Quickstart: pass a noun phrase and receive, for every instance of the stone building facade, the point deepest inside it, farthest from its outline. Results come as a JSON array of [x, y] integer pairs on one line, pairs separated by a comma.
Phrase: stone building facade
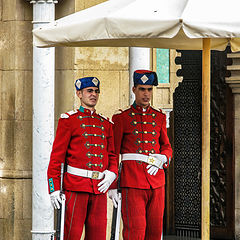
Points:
[[110, 65]]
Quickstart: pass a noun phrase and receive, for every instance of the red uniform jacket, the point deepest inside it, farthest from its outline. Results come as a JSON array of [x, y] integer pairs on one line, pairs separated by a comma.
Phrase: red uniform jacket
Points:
[[83, 141], [141, 132]]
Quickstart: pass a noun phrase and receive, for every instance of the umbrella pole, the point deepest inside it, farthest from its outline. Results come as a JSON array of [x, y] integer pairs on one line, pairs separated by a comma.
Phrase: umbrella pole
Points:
[[206, 63]]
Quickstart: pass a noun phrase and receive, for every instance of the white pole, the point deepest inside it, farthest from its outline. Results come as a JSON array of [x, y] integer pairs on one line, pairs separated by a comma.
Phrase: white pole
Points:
[[139, 58], [43, 124]]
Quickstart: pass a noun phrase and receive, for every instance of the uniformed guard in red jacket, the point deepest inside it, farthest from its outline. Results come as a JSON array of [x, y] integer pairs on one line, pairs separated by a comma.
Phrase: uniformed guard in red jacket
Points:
[[140, 137], [84, 142]]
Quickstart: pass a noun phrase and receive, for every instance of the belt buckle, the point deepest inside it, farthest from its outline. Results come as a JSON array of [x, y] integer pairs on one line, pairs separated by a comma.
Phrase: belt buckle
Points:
[[95, 175], [151, 160]]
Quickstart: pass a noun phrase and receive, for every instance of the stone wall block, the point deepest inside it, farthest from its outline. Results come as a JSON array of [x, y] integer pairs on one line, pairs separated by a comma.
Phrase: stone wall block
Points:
[[7, 229], [64, 8], [77, 74], [2, 163], [23, 95], [124, 90], [27, 199], [24, 56], [7, 145], [16, 10], [65, 58], [64, 92], [1, 103], [1, 7], [102, 58], [23, 145], [1, 226], [18, 198], [88, 4], [16, 41], [16, 44], [28, 9], [2, 41], [7, 198], [13, 225], [9, 10], [28, 95], [109, 87], [80, 5], [2, 192], [237, 224], [8, 45], [8, 95], [22, 229]]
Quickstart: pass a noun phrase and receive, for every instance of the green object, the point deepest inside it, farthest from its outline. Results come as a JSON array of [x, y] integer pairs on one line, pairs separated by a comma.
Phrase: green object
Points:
[[162, 59]]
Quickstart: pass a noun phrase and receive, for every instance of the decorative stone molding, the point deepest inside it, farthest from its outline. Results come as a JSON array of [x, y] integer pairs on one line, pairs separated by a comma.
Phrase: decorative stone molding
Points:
[[167, 111], [42, 1], [15, 174], [234, 80], [174, 69]]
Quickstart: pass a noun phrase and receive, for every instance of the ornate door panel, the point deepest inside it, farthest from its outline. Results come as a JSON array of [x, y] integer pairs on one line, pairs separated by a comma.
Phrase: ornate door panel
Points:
[[187, 148], [222, 205]]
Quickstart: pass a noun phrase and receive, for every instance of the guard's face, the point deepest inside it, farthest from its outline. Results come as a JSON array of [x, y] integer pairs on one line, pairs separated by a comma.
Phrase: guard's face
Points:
[[143, 94], [88, 96]]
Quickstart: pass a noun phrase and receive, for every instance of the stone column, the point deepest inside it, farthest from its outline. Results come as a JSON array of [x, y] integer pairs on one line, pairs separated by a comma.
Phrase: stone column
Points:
[[234, 83], [139, 58], [43, 124]]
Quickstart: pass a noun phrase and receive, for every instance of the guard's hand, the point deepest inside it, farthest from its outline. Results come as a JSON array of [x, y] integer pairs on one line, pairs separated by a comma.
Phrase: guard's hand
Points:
[[113, 194], [107, 181], [152, 170], [56, 199], [161, 158]]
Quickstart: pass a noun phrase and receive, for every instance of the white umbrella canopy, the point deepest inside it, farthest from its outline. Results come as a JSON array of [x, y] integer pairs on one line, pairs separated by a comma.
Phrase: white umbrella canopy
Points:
[[176, 24]]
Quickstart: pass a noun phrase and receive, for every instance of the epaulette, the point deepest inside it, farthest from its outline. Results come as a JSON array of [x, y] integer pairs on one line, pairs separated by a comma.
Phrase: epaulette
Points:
[[67, 114], [106, 118], [121, 110], [159, 110], [64, 115]]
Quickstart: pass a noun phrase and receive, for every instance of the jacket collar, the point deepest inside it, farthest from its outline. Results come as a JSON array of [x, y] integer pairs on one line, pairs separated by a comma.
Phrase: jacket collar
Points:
[[140, 109], [85, 110]]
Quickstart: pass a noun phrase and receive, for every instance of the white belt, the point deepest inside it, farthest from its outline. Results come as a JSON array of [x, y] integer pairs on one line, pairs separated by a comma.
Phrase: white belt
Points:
[[85, 173], [143, 158]]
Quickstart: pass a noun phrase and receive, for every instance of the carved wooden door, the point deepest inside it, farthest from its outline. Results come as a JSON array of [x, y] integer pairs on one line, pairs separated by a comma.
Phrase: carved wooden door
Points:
[[187, 149]]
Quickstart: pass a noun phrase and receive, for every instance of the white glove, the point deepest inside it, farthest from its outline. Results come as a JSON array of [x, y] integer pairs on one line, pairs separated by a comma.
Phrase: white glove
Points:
[[113, 194], [107, 181], [152, 170], [161, 158], [56, 199]]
